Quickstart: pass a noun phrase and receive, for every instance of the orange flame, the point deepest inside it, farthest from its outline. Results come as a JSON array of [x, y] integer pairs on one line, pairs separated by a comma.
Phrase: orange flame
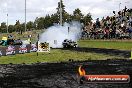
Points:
[[81, 71]]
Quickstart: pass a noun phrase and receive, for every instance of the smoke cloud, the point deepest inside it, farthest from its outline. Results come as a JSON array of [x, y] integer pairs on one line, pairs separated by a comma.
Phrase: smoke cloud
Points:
[[56, 34]]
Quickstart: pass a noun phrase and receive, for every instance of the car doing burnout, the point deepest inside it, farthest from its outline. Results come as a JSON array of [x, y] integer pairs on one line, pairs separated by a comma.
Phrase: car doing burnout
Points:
[[69, 44]]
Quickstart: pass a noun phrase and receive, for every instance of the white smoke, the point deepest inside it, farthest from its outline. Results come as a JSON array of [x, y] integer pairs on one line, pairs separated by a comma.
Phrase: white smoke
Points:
[[55, 35]]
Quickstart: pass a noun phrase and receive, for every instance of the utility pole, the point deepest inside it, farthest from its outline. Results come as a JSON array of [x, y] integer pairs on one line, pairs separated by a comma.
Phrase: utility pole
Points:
[[60, 13], [7, 22], [119, 6], [25, 17]]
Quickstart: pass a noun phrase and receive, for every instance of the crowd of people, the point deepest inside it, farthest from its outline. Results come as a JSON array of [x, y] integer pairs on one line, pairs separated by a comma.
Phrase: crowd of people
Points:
[[118, 26]]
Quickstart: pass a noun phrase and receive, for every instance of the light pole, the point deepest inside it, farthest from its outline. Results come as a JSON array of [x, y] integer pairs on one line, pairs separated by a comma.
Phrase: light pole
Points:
[[119, 6], [25, 17], [60, 13], [7, 22]]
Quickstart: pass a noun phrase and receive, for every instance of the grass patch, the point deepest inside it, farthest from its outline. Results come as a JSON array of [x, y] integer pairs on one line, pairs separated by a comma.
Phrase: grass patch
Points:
[[59, 55], [120, 45], [56, 55]]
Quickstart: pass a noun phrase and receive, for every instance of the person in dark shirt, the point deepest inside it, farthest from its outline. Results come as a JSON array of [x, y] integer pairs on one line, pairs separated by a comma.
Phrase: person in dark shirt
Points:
[[98, 23]]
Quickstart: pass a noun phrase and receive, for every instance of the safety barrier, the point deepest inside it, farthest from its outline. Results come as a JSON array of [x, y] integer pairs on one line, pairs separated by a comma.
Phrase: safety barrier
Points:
[[17, 49]]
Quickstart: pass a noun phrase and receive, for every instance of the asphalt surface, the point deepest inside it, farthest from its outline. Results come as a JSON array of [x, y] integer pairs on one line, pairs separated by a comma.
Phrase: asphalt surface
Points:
[[62, 75]]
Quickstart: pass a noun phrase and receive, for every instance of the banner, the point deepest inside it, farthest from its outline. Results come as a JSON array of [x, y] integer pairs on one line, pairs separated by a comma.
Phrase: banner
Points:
[[22, 49], [10, 50], [28, 46], [33, 48], [2, 51], [17, 49], [43, 47]]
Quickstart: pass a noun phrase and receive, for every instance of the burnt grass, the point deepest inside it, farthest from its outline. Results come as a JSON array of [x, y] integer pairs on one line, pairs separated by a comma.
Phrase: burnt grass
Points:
[[65, 74], [114, 52], [62, 75]]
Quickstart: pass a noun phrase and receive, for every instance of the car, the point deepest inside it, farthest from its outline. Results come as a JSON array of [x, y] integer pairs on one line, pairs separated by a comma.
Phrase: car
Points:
[[69, 43]]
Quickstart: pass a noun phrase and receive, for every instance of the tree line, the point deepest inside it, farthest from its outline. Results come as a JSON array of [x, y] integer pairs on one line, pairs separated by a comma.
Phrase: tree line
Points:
[[47, 21]]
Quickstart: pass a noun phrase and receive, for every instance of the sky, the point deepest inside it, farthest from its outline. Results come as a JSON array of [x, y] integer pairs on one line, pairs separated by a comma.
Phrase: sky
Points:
[[39, 8]]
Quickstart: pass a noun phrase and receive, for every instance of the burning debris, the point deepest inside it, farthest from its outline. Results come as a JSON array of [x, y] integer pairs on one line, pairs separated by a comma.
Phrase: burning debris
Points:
[[82, 73]]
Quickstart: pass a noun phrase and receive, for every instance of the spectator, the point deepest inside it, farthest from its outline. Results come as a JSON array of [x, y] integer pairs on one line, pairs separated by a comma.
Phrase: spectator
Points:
[[117, 26]]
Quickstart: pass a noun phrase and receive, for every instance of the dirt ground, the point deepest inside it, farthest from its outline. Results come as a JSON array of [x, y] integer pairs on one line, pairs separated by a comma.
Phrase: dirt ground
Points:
[[62, 75]]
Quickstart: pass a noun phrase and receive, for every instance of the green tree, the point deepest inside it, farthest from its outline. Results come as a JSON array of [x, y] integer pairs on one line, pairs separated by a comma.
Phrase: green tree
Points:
[[44, 22], [77, 15], [11, 28], [67, 17], [36, 23], [47, 21], [55, 18], [22, 27], [40, 23], [3, 27], [30, 25], [87, 19], [18, 27]]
